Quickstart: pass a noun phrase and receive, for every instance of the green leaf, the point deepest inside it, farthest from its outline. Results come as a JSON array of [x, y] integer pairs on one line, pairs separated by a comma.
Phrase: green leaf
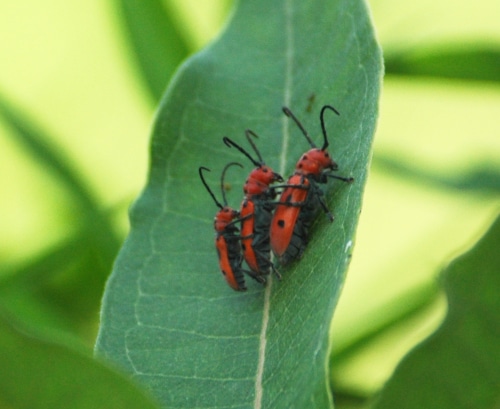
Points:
[[168, 317], [477, 63], [38, 374], [157, 44], [458, 366]]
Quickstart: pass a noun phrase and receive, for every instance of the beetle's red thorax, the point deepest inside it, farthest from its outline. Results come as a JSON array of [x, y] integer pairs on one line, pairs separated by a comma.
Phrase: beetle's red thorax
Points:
[[223, 217], [259, 180], [315, 161]]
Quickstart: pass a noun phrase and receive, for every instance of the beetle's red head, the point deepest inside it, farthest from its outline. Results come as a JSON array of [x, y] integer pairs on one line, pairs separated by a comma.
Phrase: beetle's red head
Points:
[[259, 180], [226, 214], [315, 161], [262, 176], [224, 217]]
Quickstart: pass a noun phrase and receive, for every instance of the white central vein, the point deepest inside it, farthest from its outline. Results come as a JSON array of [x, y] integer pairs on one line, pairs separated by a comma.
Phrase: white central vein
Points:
[[287, 96]]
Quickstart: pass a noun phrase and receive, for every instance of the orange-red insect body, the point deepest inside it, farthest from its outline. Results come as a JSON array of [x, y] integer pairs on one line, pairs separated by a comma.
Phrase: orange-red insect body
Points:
[[228, 248], [302, 197], [256, 212], [227, 239]]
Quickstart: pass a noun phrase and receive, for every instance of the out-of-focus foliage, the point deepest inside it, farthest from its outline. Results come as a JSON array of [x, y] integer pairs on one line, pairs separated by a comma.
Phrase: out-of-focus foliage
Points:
[[77, 107], [39, 373], [459, 364]]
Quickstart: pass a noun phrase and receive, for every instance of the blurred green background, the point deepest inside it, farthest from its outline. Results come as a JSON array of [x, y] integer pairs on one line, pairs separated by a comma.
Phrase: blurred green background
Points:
[[76, 105]]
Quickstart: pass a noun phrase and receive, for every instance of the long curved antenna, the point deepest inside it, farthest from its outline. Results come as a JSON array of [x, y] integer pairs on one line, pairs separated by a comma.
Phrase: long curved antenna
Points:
[[207, 187], [322, 119], [222, 176], [230, 143], [291, 115], [249, 132]]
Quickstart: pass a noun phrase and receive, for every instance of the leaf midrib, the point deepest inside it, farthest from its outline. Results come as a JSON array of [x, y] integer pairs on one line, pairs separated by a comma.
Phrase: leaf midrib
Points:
[[287, 96]]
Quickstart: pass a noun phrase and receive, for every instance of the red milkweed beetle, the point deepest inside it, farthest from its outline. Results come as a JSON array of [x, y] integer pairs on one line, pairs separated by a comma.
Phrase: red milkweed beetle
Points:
[[256, 211], [227, 238], [302, 196]]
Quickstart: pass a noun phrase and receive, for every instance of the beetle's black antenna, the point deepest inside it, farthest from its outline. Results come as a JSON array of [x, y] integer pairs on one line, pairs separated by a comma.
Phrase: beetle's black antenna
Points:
[[249, 132], [230, 143], [223, 175], [322, 119], [291, 115], [207, 187]]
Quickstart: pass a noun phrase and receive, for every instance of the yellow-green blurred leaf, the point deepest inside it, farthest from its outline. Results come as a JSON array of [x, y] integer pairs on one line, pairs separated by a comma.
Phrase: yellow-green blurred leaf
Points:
[[458, 366], [472, 63], [156, 41]]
